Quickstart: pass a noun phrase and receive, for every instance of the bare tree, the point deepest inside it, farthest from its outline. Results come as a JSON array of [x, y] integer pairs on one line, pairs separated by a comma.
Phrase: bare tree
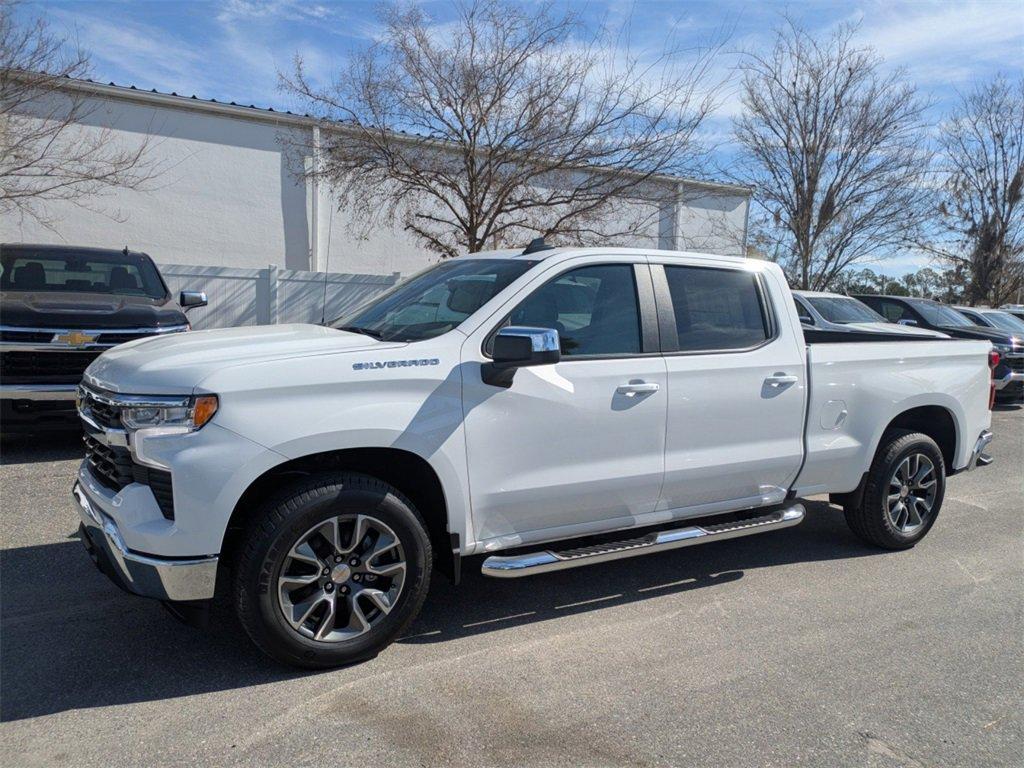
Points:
[[44, 154], [981, 219], [508, 122], [835, 146]]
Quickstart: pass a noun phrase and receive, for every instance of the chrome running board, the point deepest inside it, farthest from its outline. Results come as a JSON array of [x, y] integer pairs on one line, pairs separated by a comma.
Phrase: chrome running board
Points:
[[514, 566]]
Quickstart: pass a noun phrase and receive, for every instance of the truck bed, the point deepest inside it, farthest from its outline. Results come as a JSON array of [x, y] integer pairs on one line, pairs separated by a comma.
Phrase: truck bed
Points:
[[856, 390]]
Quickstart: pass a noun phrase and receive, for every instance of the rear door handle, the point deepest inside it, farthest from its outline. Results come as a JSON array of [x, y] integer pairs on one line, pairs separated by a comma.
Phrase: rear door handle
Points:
[[778, 379], [638, 388]]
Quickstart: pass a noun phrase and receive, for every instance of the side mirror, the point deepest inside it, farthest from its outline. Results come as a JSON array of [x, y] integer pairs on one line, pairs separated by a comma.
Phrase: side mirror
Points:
[[905, 321], [520, 347], [806, 319], [192, 299]]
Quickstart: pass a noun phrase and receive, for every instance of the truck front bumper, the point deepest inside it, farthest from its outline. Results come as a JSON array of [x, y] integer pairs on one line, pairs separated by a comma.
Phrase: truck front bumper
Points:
[[37, 406], [162, 578], [45, 392]]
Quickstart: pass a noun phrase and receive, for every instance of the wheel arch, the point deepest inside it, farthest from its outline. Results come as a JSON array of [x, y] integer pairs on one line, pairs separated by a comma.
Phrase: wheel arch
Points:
[[407, 471], [938, 422]]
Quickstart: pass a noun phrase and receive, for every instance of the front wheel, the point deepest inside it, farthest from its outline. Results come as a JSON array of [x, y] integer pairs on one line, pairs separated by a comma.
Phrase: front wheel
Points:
[[903, 494], [332, 570]]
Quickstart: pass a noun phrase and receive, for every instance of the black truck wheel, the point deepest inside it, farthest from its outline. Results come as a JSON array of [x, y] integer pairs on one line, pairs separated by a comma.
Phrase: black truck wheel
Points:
[[903, 493], [332, 570]]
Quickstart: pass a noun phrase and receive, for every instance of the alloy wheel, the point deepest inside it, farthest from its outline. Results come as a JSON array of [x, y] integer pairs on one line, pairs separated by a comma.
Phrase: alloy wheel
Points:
[[341, 578], [911, 494]]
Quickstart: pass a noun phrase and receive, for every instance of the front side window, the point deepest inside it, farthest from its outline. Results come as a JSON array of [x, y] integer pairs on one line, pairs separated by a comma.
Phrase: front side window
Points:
[[894, 311], [837, 309], [435, 301], [80, 272], [594, 309], [716, 309]]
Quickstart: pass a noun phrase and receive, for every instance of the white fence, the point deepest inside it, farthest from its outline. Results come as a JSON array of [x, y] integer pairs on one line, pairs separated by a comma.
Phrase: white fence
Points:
[[271, 295]]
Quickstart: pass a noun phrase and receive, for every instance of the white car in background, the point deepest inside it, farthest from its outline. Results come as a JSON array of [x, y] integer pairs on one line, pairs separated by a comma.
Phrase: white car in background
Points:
[[993, 318], [835, 312]]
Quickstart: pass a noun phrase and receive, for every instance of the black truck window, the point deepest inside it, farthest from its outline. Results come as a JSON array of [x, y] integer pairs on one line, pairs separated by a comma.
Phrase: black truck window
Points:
[[80, 272]]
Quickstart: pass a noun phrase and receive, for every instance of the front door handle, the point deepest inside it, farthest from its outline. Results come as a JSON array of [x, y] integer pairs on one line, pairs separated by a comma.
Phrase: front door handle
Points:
[[638, 388], [779, 379]]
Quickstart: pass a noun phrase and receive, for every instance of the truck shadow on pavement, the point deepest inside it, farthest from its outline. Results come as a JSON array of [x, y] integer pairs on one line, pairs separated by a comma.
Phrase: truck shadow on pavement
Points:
[[71, 640], [483, 604]]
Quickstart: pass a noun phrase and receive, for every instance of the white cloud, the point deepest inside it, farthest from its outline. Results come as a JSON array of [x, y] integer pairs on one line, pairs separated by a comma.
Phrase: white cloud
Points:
[[290, 10], [152, 56], [947, 43]]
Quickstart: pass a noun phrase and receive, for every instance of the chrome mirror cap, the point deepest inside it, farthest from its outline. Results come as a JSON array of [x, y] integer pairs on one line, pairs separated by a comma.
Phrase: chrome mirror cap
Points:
[[192, 299], [541, 339], [520, 347]]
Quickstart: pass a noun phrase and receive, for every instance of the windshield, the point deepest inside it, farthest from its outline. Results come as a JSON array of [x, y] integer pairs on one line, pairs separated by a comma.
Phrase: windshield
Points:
[[434, 301], [840, 309], [1004, 320], [937, 314], [25, 270]]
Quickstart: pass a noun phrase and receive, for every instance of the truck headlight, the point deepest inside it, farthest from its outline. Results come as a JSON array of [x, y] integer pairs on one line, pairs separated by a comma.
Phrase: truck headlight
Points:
[[172, 415]]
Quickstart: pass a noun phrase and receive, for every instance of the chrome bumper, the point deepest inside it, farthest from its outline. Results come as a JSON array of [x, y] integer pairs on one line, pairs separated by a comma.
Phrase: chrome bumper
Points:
[[978, 456], [1010, 378], [145, 575], [38, 391]]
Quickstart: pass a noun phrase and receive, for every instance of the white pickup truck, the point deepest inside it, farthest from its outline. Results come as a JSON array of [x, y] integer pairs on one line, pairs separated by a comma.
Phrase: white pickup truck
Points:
[[546, 409]]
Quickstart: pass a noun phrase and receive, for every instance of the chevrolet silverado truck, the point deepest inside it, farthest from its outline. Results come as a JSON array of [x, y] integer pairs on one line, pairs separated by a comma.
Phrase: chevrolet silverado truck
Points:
[[60, 308], [544, 409]]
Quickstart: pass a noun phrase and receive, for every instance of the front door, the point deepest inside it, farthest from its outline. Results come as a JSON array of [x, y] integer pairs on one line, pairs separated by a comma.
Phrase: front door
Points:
[[578, 445]]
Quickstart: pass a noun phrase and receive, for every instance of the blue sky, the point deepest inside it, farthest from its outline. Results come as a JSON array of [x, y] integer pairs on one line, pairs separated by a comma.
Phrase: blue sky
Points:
[[232, 49]]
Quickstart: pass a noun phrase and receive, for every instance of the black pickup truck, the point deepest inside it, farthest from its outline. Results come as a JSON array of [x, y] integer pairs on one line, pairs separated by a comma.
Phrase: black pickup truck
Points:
[[1008, 375], [62, 306]]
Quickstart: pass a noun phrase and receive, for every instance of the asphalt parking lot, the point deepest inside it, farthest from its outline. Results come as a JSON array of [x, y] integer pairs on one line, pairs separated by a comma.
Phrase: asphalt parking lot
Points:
[[797, 647]]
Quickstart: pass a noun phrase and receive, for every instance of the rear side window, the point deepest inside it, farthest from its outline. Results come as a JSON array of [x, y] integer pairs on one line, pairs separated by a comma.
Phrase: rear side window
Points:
[[716, 309], [804, 314]]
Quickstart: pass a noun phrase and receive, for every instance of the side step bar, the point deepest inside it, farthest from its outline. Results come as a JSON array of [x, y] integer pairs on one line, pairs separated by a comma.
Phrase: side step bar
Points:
[[514, 566]]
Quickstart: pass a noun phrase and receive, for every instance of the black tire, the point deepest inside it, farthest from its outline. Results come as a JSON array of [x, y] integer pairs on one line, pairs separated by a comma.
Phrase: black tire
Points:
[[283, 520], [871, 520]]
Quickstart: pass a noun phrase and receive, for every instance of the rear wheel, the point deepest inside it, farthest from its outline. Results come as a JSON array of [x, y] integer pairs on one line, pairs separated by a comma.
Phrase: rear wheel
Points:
[[904, 491], [332, 571]]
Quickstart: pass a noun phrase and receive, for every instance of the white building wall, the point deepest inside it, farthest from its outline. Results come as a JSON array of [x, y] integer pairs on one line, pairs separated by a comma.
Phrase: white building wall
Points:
[[226, 196]]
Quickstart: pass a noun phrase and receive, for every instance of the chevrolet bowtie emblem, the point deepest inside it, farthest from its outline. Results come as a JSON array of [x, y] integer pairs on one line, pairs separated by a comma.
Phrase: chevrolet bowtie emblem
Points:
[[75, 338]]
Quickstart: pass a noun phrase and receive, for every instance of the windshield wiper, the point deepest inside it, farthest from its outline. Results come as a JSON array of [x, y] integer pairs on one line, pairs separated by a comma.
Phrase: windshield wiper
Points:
[[364, 331]]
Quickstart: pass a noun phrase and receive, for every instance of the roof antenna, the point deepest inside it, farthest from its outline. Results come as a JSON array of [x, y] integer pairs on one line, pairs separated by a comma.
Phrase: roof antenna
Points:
[[125, 251], [537, 244]]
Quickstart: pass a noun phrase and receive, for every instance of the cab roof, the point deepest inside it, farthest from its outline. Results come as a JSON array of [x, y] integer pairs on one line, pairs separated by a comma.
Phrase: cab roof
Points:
[[540, 255]]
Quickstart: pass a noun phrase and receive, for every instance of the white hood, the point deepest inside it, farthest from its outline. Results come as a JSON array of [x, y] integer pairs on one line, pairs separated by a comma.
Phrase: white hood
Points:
[[176, 363]]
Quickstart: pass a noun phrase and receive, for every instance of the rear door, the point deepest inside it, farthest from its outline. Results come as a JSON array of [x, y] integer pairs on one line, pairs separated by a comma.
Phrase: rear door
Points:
[[736, 388]]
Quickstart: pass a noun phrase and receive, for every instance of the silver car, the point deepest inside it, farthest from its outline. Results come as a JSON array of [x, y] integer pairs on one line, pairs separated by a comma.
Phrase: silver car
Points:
[[835, 312]]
